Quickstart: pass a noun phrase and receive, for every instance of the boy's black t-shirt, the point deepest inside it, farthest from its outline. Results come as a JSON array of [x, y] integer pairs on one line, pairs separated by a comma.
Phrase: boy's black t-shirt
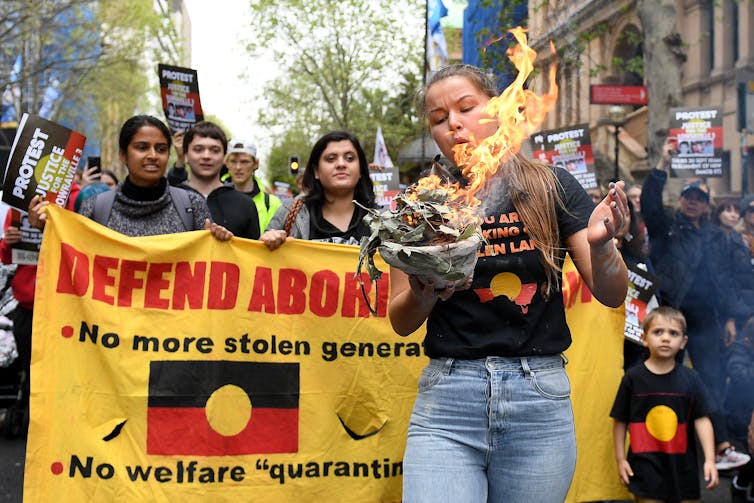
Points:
[[660, 410], [505, 312]]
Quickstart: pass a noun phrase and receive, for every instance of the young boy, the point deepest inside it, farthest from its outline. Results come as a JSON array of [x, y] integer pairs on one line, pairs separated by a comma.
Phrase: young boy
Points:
[[662, 405]]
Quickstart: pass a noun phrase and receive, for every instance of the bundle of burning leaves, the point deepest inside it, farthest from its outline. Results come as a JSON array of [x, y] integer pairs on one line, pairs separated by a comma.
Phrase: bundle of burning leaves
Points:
[[432, 232]]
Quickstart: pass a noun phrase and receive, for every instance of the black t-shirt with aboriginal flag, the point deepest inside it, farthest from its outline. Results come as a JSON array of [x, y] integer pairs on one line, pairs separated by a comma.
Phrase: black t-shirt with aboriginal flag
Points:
[[505, 312], [660, 410]]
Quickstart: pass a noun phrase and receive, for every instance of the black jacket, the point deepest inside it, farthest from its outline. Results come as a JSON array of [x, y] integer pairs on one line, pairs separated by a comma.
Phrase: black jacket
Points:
[[231, 209], [739, 367], [689, 261], [743, 278]]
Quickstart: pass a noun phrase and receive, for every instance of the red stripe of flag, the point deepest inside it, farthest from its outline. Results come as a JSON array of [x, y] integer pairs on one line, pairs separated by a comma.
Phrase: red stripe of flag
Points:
[[643, 441], [185, 431]]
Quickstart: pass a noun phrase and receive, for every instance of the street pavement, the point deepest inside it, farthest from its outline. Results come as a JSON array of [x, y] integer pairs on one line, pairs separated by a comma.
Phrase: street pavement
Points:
[[11, 469], [12, 474]]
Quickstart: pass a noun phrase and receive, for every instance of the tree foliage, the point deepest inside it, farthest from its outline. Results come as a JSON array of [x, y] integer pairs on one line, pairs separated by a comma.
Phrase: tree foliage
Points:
[[663, 63], [342, 65], [396, 116], [82, 61], [627, 66]]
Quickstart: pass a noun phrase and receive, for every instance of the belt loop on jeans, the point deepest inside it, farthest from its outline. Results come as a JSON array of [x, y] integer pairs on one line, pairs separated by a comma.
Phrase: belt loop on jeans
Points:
[[525, 365], [447, 365]]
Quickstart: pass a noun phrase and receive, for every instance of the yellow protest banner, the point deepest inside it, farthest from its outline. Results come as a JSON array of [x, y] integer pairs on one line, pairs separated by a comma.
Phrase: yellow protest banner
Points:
[[181, 368], [595, 369]]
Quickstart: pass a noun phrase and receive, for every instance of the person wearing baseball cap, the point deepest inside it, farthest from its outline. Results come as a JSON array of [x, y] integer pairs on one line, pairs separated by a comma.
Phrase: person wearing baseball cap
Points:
[[697, 186], [694, 201], [689, 255], [242, 163]]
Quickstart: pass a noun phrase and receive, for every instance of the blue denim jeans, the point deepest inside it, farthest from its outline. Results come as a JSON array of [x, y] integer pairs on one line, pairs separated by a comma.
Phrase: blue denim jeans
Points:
[[491, 430]]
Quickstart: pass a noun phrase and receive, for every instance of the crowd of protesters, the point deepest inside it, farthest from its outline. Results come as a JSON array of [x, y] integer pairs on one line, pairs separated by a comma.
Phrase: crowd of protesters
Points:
[[702, 252], [705, 270]]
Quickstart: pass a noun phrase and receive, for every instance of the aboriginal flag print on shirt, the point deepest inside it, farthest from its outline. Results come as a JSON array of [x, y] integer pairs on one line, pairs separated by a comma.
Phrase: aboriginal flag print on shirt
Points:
[[663, 429], [217, 408]]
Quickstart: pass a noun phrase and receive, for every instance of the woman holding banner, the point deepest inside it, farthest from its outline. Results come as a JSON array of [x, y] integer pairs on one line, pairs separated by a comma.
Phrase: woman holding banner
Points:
[[492, 420], [336, 175], [143, 204]]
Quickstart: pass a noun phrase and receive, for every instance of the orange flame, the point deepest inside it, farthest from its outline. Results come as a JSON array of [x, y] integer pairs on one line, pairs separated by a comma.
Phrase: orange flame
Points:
[[518, 112]]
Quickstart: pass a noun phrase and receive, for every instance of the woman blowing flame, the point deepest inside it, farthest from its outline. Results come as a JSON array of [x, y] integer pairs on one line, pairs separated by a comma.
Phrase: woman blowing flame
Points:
[[493, 420]]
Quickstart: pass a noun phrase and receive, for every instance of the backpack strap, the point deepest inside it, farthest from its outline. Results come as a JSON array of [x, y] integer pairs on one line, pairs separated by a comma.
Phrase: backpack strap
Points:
[[103, 205], [267, 201], [182, 204]]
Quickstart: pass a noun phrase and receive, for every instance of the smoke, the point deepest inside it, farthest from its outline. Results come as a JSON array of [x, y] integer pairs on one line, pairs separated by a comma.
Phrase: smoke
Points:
[[494, 192]]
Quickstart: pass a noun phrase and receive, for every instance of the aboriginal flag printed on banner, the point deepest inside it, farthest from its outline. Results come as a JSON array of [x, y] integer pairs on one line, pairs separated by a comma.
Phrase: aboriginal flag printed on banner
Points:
[[217, 408], [664, 428]]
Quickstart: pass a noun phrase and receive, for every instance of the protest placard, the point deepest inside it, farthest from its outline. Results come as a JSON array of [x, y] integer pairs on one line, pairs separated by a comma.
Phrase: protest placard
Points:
[[179, 88], [697, 136], [25, 251], [386, 185], [384, 174], [569, 148], [42, 162], [641, 287]]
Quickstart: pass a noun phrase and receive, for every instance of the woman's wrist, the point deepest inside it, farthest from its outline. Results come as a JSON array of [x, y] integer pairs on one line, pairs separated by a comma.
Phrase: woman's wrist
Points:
[[422, 300], [604, 250]]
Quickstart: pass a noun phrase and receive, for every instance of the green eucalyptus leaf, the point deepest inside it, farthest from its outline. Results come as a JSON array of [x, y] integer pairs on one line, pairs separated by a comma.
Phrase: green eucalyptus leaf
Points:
[[414, 235]]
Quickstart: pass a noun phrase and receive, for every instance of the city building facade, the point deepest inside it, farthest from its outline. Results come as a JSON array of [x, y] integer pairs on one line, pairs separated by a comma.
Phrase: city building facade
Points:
[[601, 41]]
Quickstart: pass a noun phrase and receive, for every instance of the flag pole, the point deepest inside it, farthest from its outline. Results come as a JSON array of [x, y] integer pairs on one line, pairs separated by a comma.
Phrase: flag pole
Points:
[[424, 75], [426, 41]]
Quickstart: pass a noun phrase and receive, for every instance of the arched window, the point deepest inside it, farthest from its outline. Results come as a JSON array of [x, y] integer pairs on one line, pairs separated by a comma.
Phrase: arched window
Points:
[[628, 57]]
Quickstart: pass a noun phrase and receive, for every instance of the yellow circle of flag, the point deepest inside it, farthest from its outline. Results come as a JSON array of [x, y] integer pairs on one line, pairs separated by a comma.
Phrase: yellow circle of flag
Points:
[[507, 284], [662, 422], [228, 410]]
